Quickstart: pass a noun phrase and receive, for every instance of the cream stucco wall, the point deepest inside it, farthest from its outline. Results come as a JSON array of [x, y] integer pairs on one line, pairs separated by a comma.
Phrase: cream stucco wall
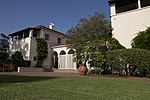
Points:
[[22, 45], [28, 46], [53, 36], [126, 24]]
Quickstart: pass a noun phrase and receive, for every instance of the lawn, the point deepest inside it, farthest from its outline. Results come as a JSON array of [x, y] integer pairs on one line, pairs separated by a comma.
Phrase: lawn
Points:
[[18, 87]]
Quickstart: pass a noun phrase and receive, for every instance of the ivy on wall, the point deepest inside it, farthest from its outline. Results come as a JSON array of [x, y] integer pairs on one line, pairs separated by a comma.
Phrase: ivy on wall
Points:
[[42, 51]]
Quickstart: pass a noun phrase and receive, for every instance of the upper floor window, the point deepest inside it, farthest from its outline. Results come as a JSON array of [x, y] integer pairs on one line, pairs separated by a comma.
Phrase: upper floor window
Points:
[[36, 33], [126, 5], [47, 37], [145, 3], [66, 41], [26, 34], [59, 40]]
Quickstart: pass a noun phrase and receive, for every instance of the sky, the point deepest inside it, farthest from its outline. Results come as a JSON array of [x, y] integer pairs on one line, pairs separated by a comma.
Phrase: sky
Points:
[[16, 15]]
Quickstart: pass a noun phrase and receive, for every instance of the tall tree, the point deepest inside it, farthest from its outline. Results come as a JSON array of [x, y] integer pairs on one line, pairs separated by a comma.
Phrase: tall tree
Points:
[[89, 35], [142, 40], [4, 47]]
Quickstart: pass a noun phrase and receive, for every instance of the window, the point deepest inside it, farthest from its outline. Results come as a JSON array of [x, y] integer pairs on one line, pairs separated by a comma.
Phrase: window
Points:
[[126, 5], [59, 40], [66, 42], [26, 34], [36, 33], [47, 37], [34, 58], [145, 3]]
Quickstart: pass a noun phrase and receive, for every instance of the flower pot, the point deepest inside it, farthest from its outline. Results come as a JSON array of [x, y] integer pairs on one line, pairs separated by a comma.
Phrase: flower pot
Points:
[[82, 70]]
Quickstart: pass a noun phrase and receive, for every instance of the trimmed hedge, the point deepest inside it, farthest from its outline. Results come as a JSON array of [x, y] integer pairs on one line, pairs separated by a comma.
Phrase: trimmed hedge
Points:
[[123, 58]]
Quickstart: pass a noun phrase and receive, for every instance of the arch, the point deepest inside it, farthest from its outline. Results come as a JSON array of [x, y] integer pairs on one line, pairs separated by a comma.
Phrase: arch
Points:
[[55, 53], [71, 51], [62, 52], [55, 59]]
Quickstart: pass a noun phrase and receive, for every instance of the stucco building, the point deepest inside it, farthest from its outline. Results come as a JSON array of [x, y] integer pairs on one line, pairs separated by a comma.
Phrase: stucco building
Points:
[[59, 56], [129, 17]]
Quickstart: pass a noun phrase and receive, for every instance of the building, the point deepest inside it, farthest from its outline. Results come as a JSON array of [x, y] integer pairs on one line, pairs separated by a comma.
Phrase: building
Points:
[[58, 53], [129, 17]]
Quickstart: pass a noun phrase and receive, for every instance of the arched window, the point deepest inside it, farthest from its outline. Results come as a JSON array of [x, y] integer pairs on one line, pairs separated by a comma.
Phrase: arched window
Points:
[[62, 52], [70, 51], [55, 59], [55, 53]]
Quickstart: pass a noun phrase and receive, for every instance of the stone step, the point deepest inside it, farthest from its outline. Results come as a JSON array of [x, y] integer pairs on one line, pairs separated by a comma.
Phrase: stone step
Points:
[[65, 70], [30, 69]]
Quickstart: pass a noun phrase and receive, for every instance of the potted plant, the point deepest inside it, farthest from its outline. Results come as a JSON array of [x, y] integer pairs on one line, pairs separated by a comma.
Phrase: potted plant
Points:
[[82, 69]]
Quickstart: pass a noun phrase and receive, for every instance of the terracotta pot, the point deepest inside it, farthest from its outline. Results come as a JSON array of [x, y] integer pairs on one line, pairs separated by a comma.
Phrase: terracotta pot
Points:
[[82, 70]]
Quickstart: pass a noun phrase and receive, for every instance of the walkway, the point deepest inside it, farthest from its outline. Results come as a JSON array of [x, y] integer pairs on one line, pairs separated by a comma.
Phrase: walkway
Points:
[[72, 74]]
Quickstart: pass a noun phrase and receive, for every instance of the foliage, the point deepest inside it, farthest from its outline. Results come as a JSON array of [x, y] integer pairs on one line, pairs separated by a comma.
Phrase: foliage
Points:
[[4, 46], [142, 40], [23, 87], [89, 35], [18, 59], [135, 58], [113, 44], [96, 59], [42, 51]]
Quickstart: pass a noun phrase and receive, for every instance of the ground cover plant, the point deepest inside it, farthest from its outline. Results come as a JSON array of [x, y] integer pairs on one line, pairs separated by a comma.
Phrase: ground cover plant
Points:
[[18, 87]]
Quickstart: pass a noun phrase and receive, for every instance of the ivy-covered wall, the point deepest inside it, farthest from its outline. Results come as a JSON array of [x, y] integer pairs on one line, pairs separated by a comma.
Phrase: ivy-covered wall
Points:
[[42, 51]]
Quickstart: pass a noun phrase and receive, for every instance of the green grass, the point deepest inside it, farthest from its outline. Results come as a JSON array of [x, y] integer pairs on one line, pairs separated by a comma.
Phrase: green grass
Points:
[[15, 87]]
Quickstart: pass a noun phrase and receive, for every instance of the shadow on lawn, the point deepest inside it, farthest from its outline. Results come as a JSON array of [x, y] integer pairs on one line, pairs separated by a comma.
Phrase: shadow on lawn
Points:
[[23, 79]]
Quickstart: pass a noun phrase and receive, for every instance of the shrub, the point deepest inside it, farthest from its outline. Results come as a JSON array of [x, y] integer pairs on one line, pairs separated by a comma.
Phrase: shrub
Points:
[[128, 60], [26, 63], [18, 59]]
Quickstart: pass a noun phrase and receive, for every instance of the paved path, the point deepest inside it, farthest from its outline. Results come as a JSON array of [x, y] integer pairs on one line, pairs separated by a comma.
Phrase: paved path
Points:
[[72, 74]]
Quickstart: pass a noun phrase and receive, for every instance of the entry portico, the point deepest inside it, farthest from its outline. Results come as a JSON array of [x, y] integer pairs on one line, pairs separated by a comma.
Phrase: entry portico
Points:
[[63, 57]]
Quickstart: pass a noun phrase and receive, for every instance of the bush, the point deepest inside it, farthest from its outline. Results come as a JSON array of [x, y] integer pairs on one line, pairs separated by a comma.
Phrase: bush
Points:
[[26, 63], [18, 60], [126, 61]]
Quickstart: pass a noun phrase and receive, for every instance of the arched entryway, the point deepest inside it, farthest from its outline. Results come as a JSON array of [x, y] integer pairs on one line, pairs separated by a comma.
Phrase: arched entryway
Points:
[[55, 60], [62, 59], [65, 57], [70, 59]]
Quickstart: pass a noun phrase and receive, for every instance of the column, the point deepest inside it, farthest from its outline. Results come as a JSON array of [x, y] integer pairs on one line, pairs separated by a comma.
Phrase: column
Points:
[[31, 33], [139, 4], [11, 43], [11, 39], [66, 63], [29, 54], [113, 9], [58, 60]]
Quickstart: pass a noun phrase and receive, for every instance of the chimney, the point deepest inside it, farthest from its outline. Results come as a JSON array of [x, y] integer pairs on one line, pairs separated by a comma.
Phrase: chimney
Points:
[[52, 26]]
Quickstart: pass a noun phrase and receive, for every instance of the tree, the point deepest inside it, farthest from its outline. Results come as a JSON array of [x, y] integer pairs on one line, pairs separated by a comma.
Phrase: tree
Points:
[[42, 51], [142, 40], [4, 47], [96, 59], [18, 60], [89, 35], [114, 44]]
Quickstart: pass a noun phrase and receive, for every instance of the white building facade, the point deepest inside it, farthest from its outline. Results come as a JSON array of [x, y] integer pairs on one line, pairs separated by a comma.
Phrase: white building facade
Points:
[[59, 56], [128, 17]]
